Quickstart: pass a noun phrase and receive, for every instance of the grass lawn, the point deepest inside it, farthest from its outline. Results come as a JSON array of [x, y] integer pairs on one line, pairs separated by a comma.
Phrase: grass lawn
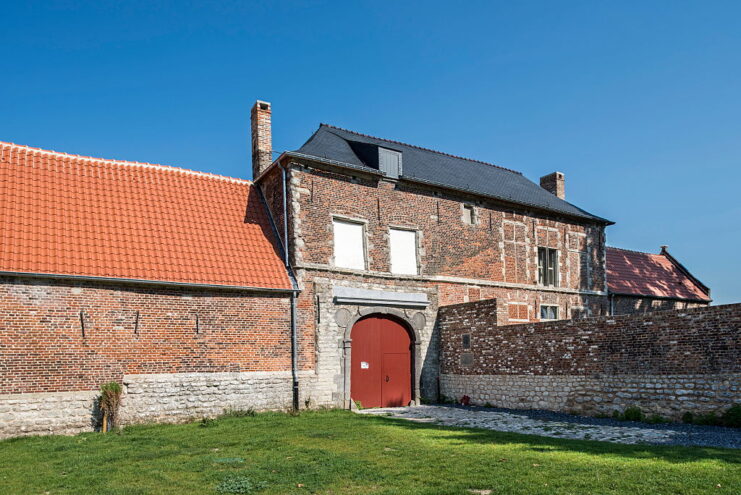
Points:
[[340, 452]]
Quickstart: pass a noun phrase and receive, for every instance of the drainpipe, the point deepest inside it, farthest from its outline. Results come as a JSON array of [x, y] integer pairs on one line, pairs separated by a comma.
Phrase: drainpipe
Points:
[[294, 333]]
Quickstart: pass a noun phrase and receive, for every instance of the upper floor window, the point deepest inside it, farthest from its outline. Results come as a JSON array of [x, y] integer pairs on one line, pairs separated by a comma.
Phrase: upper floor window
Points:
[[469, 214], [548, 312], [349, 244], [547, 266], [403, 251]]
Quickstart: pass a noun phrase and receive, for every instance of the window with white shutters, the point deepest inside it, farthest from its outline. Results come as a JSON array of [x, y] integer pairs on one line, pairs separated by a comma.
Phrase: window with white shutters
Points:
[[349, 244], [403, 249]]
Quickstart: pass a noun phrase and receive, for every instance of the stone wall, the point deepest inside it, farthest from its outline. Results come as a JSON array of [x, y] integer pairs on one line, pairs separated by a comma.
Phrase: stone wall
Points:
[[666, 362]]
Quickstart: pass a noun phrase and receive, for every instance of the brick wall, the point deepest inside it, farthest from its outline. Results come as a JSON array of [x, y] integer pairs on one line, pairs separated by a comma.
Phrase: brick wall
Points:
[[495, 258], [625, 305], [57, 338], [667, 362], [500, 247]]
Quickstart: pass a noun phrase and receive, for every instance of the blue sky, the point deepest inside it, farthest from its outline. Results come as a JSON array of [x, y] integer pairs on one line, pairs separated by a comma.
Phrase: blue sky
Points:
[[638, 103]]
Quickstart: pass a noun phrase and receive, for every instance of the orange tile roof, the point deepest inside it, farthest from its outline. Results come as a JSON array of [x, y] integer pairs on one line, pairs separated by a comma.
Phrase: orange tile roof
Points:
[[653, 275], [73, 215]]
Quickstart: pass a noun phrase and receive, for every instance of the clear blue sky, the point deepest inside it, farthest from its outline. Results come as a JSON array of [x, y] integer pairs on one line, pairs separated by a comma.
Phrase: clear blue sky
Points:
[[638, 103]]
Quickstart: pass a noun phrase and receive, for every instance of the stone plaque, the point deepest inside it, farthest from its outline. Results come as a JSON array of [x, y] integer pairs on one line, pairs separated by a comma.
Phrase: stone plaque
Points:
[[342, 317], [419, 321], [466, 360]]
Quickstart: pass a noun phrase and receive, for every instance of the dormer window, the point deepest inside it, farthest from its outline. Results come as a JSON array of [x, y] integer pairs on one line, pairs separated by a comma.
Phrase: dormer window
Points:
[[389, 162]]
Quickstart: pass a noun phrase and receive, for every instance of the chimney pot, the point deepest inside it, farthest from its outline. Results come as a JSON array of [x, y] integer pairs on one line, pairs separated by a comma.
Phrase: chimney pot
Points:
[[554, 183], [262, 137]]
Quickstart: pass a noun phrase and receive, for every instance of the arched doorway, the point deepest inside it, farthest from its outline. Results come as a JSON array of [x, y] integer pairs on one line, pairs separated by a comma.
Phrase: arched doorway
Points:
[[381, 368]]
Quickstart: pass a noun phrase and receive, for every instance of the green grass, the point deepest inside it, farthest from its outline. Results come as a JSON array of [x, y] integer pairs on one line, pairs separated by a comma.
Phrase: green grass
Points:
[[339, 452]]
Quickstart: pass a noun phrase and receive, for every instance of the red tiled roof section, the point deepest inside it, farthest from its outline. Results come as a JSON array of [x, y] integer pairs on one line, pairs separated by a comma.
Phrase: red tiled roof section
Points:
[[72, 215], [646, 274]]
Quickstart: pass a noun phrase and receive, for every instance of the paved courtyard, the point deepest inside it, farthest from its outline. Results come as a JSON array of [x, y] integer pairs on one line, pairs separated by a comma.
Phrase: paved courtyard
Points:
[[559, 425]]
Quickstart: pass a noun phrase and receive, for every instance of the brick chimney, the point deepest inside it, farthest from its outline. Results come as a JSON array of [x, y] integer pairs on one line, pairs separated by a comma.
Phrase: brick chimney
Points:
[[262, 138], [555, 184]]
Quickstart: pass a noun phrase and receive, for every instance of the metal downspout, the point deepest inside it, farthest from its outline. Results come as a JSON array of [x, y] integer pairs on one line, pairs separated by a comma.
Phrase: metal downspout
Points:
[[294, 333]]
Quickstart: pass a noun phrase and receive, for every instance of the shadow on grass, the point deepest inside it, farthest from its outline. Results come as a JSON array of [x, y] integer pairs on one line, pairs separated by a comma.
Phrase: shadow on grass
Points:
[[536, 443]]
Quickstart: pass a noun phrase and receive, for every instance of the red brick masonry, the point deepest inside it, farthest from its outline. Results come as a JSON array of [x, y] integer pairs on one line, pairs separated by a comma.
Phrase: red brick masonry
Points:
[[667, 361], [43, 347]]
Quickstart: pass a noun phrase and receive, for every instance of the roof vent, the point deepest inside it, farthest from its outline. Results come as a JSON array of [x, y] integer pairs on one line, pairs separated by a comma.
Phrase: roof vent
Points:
[[389, 162]]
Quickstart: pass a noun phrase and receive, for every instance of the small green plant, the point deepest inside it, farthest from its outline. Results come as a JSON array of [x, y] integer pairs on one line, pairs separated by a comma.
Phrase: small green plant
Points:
[[732, 417], [238, 484], [656, 419], [358, 404], [109, 402], [207, 422], [709, 419], [616, 414], [239, 413], [488, 404], [688, 418], [633, 414]]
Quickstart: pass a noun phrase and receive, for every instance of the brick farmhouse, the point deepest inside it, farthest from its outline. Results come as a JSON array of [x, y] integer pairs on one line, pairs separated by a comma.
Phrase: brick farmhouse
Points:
[[317, 283]]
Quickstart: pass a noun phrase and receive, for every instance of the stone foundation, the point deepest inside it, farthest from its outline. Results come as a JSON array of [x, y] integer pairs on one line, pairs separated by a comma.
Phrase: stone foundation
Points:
[[172, 397], [165, 397], [667, 395], [47, 413]]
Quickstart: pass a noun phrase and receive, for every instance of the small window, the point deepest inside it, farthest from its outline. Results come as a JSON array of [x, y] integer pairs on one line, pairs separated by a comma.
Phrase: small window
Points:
[[578, 313], [469, 214], [466, 340], [547, 266], [548, 312], [349, 247], [403, 249]]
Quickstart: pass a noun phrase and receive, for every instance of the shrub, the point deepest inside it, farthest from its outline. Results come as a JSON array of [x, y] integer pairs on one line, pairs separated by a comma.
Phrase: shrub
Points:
[[709, 419], [732, 417], [109, 402], [656, 419], [688, 417], [632, 414]]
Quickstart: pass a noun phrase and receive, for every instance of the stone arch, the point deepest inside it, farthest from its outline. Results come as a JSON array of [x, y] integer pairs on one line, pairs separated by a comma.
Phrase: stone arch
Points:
[[351, 319]]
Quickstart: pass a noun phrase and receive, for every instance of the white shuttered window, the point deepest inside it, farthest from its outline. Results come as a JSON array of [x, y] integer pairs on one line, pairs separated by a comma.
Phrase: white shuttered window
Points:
[[349, 248], [403, 247]]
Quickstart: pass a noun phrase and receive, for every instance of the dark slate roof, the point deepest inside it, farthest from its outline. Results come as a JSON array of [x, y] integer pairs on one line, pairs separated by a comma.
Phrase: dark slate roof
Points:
[[359, 151]]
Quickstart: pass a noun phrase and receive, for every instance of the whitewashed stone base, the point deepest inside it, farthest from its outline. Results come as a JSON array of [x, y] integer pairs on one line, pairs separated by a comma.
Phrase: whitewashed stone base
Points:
[[667, 395], [170, 397], [46, 413], [181, 396]]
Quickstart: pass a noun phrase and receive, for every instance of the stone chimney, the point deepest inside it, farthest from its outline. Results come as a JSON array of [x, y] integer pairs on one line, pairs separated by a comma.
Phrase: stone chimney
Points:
[[555, 184], [262, 138]]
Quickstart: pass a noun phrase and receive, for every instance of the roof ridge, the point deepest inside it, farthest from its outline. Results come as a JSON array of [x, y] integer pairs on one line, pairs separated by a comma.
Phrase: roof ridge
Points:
[[8, 145], [632, 251], [422, 148]]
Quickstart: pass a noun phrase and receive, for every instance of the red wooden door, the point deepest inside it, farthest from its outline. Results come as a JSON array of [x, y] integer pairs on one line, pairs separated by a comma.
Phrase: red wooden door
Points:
[[381, 368]]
